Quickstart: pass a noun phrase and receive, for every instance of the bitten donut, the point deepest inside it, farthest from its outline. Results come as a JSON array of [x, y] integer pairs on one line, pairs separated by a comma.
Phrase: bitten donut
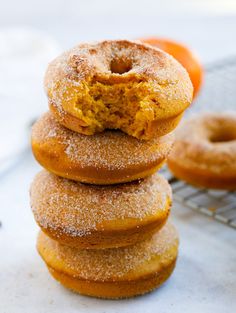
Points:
[[89, 216], [118, 84], [113, 273], [110, 157], [204, 152]]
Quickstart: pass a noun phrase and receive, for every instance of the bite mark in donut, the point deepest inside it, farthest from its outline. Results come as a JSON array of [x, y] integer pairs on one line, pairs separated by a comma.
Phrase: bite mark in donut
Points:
[[109, 157], [118, 85]]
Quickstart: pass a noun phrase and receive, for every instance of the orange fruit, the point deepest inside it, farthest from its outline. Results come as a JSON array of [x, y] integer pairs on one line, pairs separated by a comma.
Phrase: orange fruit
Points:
[[182, 54]]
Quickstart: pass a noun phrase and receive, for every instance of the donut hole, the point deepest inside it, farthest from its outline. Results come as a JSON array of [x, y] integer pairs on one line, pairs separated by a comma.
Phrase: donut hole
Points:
[[221, 137], [120, 66]]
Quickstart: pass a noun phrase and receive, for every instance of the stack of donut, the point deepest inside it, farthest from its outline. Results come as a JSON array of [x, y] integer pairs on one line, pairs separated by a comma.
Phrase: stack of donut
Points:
[[100, 204]]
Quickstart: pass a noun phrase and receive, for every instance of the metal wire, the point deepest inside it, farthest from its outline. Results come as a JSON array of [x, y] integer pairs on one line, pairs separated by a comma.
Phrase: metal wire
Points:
[[218, 94], [220, 205]]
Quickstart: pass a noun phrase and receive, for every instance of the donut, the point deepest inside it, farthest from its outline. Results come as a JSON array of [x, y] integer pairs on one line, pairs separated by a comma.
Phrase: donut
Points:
[[113, 273], [90, 216], [118, 84], [110, 157], [204, 153]]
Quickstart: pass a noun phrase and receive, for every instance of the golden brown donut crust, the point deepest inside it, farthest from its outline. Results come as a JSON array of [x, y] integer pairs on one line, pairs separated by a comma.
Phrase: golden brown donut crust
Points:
[[118, 84], [110, 157], [204, 153], [113, 273], [89, 216]]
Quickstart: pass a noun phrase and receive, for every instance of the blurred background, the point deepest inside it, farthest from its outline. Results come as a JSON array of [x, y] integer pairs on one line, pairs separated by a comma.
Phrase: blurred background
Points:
[[206, 25]]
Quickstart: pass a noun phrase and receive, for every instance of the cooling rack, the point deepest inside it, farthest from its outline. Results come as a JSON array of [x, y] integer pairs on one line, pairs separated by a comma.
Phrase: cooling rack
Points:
[[220, 205], [218, 94]]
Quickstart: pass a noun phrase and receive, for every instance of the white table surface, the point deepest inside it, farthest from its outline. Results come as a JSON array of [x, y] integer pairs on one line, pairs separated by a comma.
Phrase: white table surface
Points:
[[205, 276]]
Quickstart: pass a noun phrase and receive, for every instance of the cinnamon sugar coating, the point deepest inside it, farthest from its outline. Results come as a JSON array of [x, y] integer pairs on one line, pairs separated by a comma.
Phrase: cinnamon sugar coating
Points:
[[82, 212], [112, 264], [105, 158], [118, 84], [204, 151]]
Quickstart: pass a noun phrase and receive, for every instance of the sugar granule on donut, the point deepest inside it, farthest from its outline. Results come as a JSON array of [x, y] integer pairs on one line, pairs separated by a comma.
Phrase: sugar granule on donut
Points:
[[113, 273], [102, 264], [109, 157], [92, 216], [204, 152], [118, 85]]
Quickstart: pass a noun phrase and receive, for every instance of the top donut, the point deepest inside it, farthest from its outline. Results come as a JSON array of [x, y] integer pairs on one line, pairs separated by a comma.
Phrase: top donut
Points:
[[118, 84]]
